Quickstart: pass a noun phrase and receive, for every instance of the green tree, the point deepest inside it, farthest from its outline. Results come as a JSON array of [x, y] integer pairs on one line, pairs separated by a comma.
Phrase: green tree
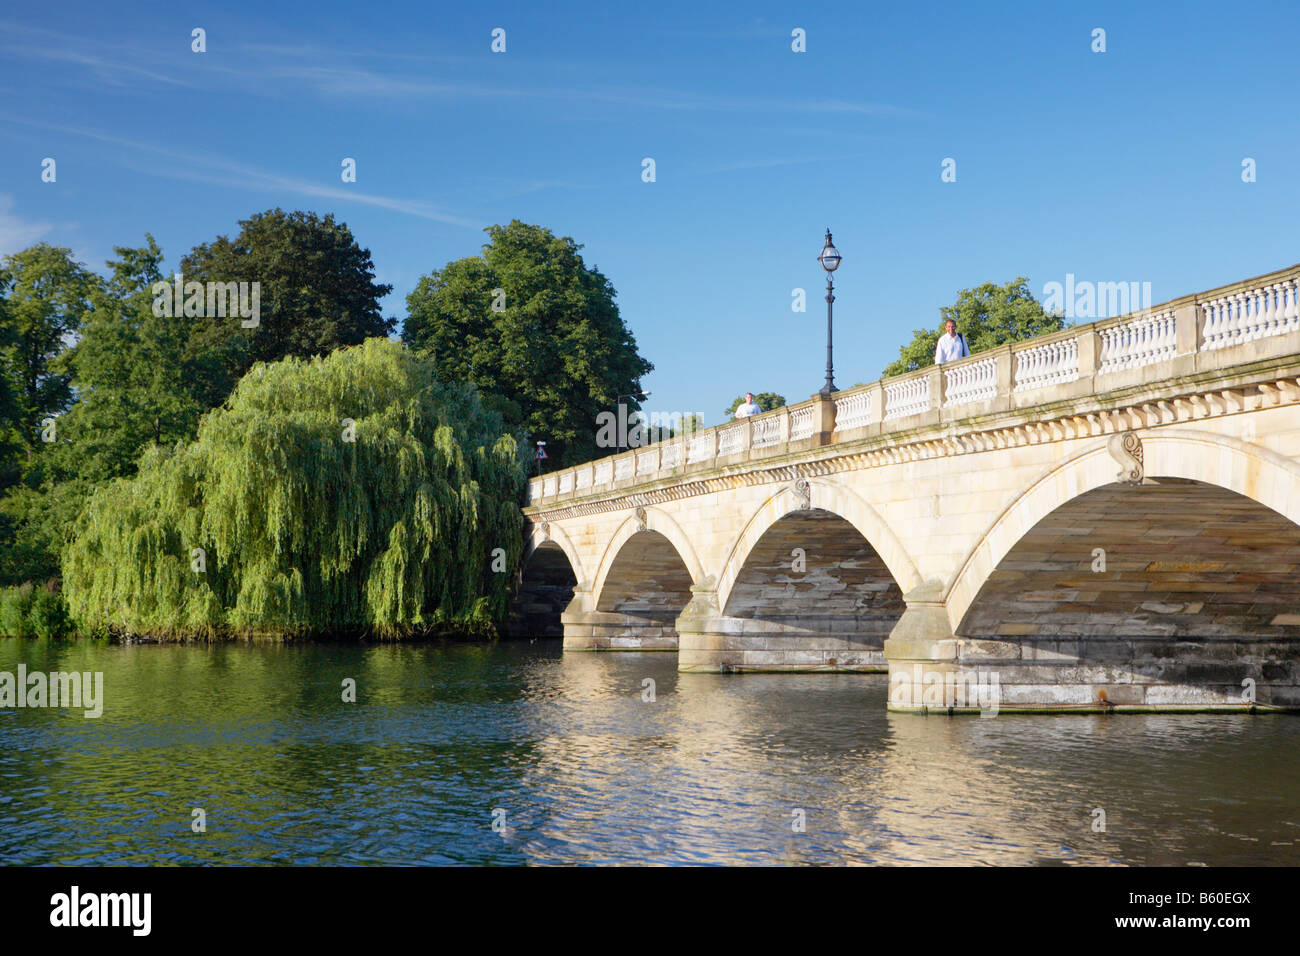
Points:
[[536, 330], [47, 296], [129, 372], [348, 493], [767, 401], [127, 383], [690, 424], [317, 294], [10, 440], [664, 427], [35, 525], [988, 316]]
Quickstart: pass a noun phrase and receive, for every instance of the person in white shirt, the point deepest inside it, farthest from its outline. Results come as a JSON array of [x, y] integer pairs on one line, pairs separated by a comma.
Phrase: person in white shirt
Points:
[[748, 407], [951, 345]]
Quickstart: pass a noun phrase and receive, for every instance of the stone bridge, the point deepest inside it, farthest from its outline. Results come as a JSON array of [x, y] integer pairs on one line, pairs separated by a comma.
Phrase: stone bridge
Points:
[[1101, 518]]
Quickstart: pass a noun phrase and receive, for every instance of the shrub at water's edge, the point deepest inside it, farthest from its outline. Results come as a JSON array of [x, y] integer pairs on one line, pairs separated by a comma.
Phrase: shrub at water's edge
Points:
[[32, 611], [350, 494]]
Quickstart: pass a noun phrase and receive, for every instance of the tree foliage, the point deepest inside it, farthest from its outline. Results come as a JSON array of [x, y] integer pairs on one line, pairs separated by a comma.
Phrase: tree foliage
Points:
[[988, 315], [30, 611], [302, 530], [128, 385], [35, 526], [536, 330], [10, 439], [317, 294], [46, 296], [44, 299], [130, 375], [767, 401]]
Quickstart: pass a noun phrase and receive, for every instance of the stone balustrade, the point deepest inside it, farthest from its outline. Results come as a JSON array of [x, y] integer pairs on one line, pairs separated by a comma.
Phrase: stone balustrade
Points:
[[731, 438], [802, 422], [852, 410], [970, 382], [908, 397], [1245, 315], [701, 447], [1051, 363], [1140, 342], [766, 431], [1209, 332]]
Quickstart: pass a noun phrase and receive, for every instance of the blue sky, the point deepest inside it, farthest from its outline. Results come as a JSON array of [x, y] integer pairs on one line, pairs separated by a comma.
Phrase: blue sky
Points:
[[1115, 166]]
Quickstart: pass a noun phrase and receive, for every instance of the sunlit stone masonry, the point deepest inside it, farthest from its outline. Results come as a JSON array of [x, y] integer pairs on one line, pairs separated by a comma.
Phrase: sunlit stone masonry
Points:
[[1104, 518]]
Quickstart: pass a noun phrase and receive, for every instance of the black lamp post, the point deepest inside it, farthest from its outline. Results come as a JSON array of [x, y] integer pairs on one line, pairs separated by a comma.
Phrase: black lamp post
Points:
[[830, 261]]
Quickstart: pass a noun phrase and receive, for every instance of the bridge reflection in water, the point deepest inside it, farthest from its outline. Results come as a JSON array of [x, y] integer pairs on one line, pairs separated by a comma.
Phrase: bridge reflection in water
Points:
[[587, 769], [712, 770]]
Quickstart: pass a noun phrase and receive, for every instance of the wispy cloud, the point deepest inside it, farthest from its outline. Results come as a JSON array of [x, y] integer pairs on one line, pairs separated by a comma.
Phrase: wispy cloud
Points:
[[15, 232], [512, 188], [266, 68], [336, 81], [756, 30], [769, 163], [59, 47], [316, 52], [207, 169], [107, 70]]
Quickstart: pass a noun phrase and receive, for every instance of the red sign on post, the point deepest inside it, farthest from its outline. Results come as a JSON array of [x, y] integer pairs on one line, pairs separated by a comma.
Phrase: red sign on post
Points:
[[541, 454]]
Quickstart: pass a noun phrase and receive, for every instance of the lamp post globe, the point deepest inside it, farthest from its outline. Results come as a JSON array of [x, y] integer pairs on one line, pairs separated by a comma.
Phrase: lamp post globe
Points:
[[829, 259], [830, 256]]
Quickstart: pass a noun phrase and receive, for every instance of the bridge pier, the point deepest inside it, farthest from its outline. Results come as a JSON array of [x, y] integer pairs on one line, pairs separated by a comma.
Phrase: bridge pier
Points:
[[1074, 671], [712, 642], [922, 656], [589, 629], [969, 675]]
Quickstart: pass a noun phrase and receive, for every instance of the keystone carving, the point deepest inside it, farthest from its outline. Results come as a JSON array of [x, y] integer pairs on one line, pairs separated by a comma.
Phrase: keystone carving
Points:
[[640, 519], [545, 528], [802, 493], [1127, 450]]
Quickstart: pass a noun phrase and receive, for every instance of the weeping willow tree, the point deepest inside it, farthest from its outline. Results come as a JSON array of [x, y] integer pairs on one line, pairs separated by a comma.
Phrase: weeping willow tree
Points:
[[350, 494]]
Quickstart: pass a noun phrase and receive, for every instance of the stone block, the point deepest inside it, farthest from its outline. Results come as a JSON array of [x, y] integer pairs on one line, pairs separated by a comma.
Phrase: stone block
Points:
[[979, 650], [1045, 695], [1184, 694]]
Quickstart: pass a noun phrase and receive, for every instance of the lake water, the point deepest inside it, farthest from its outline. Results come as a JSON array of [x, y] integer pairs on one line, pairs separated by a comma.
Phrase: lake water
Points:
[[713, 771]]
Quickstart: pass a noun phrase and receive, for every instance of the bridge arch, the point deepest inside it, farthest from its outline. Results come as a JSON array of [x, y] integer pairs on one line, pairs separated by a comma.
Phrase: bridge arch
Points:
[[813, 581], [1220, 461], [656, 521], [546, 579], [826, 496], [555, 535], [643, 583]]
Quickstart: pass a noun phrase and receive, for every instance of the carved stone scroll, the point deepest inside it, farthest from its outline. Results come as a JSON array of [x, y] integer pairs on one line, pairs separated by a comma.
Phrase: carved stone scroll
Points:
[[1126, 449]]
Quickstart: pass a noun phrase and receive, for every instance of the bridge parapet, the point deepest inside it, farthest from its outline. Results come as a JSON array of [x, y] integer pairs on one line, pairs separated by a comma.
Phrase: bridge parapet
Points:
[[1187, 340]]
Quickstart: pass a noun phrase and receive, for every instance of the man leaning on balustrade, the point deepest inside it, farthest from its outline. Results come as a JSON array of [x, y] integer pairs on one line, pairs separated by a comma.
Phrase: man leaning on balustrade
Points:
[[951, 345], [748, 407]]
